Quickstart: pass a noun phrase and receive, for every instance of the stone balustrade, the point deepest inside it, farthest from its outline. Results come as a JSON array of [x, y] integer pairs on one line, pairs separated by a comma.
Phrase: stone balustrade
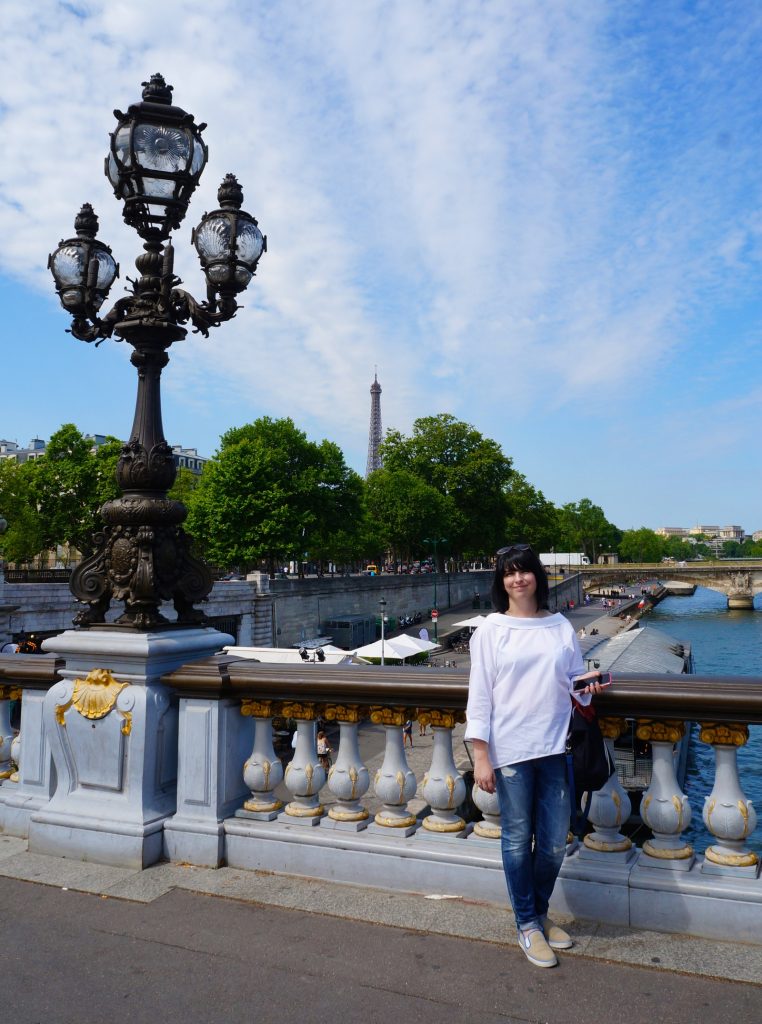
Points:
[[351, 824]]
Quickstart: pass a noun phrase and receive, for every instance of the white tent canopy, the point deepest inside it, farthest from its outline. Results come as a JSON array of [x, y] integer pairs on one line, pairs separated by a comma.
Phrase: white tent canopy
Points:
[[471, 623], [391, 649], [414, 643]]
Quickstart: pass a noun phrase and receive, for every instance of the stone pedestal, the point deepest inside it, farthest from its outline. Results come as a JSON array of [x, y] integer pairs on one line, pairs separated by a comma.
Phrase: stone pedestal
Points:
[[214, 741], [112, 731]]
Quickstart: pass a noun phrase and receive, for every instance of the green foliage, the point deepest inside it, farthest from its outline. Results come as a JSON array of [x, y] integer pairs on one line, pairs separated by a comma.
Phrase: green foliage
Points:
[[403, 511], [185, 484], [57, 498], [532, 519], [270, 494], [642, 545], [678, 549], [464, 467], [583, 527], [23, 538]]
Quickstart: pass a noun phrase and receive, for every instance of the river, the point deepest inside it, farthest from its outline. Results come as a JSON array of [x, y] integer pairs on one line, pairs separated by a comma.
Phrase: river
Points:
[[723, 642]]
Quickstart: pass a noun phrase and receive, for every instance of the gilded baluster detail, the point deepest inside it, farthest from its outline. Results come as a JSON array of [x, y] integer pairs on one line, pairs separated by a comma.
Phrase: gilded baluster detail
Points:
[[665, 808], [610, 807], [728, 815], [394, 783], [348, 779], [305, 776], [262, 770], [6, 733], [443, 786]]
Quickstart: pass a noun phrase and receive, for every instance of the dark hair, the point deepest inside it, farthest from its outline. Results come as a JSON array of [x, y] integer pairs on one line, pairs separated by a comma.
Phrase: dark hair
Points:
[[519, 557]]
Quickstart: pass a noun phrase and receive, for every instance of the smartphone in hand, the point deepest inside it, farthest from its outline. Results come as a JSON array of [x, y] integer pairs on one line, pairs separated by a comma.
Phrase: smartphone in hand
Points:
[[602, 679]]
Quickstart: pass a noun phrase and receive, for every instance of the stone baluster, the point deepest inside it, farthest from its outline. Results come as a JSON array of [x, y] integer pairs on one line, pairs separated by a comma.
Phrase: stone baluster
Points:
[[490, 827], [665, 808], [394, 783], [304, 776], [263, 770], [15, 757], [6, 731], [610, 807], [443, 786], [728, 815], [348, 778]]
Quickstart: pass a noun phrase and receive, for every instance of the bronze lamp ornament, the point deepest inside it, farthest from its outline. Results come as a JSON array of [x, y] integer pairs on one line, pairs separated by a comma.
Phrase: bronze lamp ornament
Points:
[[155, 161]]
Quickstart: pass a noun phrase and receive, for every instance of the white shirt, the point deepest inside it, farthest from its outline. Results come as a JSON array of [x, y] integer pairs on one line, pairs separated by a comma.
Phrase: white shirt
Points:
[[518, 691]]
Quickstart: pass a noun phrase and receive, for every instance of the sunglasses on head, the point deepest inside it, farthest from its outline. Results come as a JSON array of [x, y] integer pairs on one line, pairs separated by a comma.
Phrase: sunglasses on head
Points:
[[514, 549]]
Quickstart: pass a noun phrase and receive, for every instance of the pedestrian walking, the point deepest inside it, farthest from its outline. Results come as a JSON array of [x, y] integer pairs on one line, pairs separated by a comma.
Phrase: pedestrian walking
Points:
[[407, 734]]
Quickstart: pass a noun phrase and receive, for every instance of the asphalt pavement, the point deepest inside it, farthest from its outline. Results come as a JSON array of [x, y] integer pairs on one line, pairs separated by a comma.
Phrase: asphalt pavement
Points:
[[87, 943]]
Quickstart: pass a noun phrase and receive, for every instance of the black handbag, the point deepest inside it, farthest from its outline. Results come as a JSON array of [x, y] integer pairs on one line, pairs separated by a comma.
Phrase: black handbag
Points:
[[589, 764]]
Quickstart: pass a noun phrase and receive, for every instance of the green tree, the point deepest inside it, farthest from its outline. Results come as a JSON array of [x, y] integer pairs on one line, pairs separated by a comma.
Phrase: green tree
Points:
[[270, 494], [641, 545], [69, 484], [404, 511], [185, 484], [583, 526], [24, 536], [531, 517], [678, 549], [464, 466]]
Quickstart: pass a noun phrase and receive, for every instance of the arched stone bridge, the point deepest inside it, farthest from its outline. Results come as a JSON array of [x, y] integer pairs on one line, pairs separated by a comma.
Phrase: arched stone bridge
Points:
[[738, 580]]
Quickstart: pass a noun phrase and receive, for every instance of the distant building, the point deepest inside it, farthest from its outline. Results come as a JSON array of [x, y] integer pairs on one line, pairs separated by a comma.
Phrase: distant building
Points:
[[11, 450], [721, 533], [188, 458], [185, 458]]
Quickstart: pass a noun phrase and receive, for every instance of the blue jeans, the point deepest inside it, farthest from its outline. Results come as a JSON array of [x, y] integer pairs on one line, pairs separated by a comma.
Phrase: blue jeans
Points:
[[534, 805]]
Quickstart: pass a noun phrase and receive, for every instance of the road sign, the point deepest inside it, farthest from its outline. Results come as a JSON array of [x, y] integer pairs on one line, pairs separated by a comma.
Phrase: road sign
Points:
[[434, 614]]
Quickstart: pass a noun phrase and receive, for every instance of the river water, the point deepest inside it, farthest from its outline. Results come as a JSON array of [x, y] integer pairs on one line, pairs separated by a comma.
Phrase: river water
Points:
[[723, 642]]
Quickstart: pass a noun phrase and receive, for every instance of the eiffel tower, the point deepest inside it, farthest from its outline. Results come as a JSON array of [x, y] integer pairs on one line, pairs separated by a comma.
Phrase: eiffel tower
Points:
[[374, 435]]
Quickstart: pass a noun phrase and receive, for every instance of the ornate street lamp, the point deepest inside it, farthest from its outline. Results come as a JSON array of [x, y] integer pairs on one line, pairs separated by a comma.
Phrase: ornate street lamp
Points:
[[155, 161]]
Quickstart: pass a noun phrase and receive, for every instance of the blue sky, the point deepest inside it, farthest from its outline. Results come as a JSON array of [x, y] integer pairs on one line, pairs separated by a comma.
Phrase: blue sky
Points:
[[542, 217]]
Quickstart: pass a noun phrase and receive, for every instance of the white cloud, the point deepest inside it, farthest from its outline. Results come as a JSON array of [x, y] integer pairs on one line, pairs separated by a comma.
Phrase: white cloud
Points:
[[535, 198]]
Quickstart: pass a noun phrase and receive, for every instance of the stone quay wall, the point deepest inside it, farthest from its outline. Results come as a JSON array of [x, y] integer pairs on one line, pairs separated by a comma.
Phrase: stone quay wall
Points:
[[301, 605], [262, 612]]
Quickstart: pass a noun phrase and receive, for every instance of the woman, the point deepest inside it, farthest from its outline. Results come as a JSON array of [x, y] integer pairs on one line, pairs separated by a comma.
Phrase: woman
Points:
[[523, 662]]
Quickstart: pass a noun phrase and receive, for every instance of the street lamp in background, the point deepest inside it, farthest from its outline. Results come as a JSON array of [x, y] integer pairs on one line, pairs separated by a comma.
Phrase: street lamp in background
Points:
[[435, 542], [382, 606], [154, 164]]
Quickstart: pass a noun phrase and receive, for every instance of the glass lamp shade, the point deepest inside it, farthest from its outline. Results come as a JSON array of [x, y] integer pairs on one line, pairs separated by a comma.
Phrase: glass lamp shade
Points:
[[229, 242], [83, 267], [155, 161]]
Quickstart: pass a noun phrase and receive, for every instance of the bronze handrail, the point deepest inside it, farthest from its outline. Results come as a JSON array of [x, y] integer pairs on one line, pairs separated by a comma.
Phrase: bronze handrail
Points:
[[699, 698], [30, 669]]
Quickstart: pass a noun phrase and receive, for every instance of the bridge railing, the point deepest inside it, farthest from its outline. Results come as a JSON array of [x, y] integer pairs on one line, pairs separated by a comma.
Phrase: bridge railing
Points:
[[240, 803], [659, 705]]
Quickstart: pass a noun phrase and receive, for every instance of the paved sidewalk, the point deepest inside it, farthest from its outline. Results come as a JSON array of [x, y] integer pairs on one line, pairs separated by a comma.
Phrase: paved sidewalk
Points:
[[89, 943]]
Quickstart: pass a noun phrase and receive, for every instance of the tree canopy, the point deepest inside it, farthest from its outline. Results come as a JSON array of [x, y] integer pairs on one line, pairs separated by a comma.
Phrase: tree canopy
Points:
[[270, 494], [463, 466], [56, 499], [404, 511]]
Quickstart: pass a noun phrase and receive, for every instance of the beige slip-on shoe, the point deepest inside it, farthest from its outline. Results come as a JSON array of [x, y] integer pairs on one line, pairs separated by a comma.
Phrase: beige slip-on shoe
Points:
[[556, 937], [536, 949]]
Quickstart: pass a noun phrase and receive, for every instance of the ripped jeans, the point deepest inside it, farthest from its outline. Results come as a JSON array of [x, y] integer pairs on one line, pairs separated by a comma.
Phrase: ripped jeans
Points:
[[534, 805]]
